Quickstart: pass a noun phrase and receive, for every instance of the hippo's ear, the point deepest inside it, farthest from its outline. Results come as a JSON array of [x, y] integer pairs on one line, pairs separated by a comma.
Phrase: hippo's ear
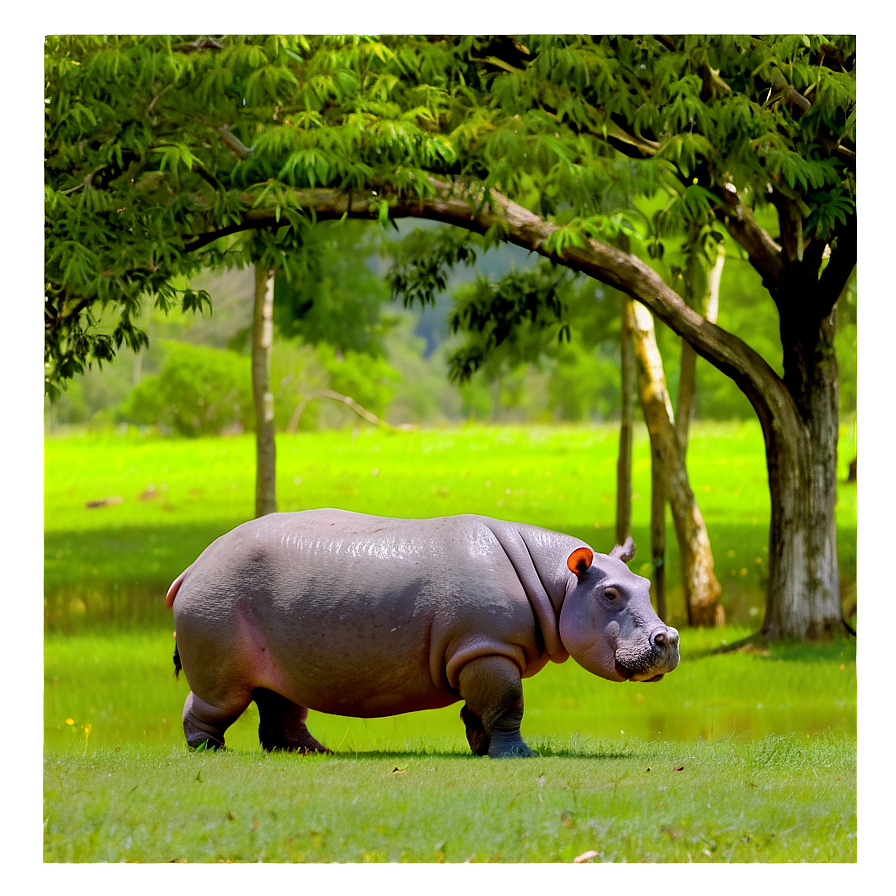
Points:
[[624, 552], [580, 560]]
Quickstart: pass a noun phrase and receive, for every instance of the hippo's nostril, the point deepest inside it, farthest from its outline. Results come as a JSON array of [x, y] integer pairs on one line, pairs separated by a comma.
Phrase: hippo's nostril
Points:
[[664, 637]]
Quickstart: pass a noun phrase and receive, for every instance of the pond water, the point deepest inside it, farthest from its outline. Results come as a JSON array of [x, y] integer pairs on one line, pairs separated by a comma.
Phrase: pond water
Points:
[[115, 691]]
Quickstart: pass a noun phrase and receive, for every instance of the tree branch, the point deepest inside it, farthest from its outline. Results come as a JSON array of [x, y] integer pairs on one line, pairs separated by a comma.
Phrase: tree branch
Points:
[[765, 254], [201, 43], [792, 96], [468, 207], [233, 142], [790, 227], [350, 403], [844, 256], [629, 144]]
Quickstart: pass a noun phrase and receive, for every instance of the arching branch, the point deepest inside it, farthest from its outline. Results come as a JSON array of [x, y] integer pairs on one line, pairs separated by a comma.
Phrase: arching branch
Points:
[[467, 206]]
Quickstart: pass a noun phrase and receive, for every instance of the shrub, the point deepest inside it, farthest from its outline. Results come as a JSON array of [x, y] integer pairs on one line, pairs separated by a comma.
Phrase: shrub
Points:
[[199, 391]]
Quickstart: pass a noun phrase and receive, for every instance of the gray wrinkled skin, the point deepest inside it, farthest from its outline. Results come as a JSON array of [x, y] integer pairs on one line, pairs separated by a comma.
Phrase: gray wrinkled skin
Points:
[[367, 616]]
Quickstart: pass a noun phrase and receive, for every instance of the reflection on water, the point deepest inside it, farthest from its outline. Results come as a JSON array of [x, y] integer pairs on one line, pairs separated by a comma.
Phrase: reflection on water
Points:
[[743, 722], [754, 723]]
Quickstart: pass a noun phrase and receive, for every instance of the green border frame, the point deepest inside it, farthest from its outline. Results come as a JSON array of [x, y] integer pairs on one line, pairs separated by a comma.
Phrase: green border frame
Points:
[[22, 26]]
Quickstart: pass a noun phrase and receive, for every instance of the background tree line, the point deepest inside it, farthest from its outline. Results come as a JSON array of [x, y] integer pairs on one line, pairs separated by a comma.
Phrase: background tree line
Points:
[[193, 379]]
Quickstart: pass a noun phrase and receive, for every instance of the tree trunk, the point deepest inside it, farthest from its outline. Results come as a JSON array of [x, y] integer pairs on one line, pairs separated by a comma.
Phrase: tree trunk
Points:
[[803, 596], [658, 527], [262, 339], [701, 586], [704, 298], [626, 430]]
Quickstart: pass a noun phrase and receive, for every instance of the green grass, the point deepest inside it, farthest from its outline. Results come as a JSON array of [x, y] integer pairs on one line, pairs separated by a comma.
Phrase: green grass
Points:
[[122, 685], [113, 564], [738, 757], [724, 801]]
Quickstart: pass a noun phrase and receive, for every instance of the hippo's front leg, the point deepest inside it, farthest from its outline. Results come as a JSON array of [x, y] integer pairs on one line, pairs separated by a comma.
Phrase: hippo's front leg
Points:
[[493, 693]]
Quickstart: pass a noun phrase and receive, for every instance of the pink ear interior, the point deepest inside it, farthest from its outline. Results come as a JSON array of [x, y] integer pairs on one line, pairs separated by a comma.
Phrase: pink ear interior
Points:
[[580, 560]]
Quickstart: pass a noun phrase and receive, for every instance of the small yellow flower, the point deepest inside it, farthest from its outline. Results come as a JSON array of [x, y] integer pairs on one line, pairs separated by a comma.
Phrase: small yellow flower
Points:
[[69, 721]]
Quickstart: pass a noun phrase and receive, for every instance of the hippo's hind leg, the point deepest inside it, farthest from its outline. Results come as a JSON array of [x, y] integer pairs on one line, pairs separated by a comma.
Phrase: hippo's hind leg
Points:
[[478, 740], [205, 724], [281, 724]]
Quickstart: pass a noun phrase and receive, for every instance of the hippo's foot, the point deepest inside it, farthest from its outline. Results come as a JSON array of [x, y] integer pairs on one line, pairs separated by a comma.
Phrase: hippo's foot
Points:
[[200, 738], [507, 747], [204, 742], [304, 745], [476, 737], [281, 724], [203, 726]]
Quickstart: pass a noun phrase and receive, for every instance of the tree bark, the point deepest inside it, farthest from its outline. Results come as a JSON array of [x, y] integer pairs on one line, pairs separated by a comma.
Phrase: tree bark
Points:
[[701, 586], [626, 431], [704, 297], [658, 528], [803, 596], [802, 568], [262, 339]]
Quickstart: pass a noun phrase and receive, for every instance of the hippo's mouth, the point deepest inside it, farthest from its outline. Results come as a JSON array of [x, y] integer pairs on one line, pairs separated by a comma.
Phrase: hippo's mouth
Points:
[[629, 674]]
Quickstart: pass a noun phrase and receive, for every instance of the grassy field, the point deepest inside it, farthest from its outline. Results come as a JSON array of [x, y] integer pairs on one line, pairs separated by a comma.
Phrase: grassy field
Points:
[[737, 757], [167, 500], [724, 801]]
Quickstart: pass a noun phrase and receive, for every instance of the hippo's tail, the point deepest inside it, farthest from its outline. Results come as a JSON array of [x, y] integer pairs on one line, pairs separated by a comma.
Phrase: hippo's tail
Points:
[[175, 587], [169, 603]]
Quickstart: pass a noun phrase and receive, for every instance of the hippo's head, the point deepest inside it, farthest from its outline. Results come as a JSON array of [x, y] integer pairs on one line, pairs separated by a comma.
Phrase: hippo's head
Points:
[[607, 623]]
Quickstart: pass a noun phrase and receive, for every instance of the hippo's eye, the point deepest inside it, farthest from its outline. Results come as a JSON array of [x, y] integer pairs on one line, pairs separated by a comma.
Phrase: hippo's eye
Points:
[[611, 594]]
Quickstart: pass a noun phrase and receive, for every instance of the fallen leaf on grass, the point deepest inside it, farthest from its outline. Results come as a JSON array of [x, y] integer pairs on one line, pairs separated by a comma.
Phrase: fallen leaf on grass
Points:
[[585, 856], [105, 502]]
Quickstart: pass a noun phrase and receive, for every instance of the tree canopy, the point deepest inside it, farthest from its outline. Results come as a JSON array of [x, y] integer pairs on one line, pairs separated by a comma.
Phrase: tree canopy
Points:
[[157, 146]]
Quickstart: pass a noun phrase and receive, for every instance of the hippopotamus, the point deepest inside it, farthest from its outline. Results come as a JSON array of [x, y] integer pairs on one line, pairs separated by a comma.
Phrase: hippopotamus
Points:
[[368, 616]]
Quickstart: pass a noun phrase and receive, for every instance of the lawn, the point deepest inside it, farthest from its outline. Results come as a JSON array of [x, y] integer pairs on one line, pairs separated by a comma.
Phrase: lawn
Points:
[[719, 801], [747, 756], [734, 757], [166, 500]]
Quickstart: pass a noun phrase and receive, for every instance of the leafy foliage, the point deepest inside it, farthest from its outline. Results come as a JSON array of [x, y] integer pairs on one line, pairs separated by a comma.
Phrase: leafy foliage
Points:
[[199, 391], [156, 144], [338, 297], [509, 313]]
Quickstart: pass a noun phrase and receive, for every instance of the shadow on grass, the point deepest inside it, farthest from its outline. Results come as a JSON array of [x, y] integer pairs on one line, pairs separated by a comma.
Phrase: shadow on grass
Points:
[[759, 646], [575, 749], [117, 578], [541, 753]]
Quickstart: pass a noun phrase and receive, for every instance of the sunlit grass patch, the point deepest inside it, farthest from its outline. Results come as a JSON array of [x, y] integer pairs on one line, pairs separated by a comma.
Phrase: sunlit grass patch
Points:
[[112, 564], [645, 802]]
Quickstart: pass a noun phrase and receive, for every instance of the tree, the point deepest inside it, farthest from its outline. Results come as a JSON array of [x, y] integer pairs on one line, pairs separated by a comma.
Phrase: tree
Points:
[[508, 318], [263, 399], [670, 479], [337, 298], [515, 138]]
